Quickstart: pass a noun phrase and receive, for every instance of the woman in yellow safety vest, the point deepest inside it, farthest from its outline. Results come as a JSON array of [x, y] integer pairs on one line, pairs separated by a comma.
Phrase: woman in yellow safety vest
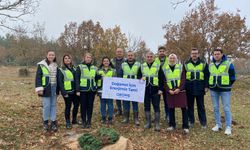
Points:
[[86, 77], [46, 87], [66, 81], [176, 95], [105, 70]]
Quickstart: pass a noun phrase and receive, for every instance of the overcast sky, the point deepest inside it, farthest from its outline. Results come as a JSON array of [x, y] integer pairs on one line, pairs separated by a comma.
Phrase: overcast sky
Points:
[[141, 18]]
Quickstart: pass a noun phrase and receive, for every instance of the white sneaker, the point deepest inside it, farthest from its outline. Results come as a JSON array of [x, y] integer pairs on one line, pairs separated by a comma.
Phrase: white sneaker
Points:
[[228, 131], [216, 128], [186, 131], [170, 128]]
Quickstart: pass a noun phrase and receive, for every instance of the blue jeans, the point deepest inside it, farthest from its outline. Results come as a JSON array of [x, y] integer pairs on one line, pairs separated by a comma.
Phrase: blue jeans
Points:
[[110, 104], [126, 106], [49, 105], [226, 98]]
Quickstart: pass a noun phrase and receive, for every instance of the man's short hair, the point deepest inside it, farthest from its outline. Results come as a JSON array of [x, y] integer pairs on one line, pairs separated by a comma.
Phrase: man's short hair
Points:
[[162, 47], [218, 49]]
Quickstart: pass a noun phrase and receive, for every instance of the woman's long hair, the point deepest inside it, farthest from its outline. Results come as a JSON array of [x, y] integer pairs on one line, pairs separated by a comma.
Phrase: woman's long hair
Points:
[[110, 64], [71, 63], [46, 59]]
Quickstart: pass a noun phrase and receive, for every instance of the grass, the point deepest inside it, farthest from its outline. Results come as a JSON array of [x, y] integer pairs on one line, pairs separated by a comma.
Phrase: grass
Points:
[[21, 121]]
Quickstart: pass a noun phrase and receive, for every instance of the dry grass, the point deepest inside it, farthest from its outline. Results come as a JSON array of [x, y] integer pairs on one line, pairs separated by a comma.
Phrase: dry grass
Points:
[[21, 123]]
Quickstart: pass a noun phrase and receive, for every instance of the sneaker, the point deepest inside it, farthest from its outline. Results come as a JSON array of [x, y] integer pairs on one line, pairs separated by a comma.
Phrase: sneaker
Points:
[[170, 128], [54, 126], [46, 126], [228, 131], [191, 125], [216, 128], [186, 131], [203, 126]]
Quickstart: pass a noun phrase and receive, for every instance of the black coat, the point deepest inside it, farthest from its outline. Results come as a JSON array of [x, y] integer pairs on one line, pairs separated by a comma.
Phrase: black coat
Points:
[[38, 83], [197, 87]]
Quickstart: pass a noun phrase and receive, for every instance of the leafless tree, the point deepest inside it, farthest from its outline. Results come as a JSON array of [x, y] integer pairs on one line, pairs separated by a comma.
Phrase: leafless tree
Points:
[[15, 10]]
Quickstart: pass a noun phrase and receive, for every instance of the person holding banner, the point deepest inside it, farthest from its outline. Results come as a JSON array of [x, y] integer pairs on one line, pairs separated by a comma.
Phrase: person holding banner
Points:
[[162, 60], [86, 77], [152, 73], [66, 81], [131, 70], [117, 63], [105, 70], [175, 87]]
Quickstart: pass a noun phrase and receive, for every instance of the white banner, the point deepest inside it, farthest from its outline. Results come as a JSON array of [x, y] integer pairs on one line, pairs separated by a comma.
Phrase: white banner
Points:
[[123, 89]]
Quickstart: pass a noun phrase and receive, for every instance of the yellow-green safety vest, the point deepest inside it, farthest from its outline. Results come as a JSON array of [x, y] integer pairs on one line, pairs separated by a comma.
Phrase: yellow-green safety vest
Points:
[[219, 76], [68, 78], [45, 76], [164, 64], [103, 73], [194, 72], [150, 74], [173, 77], [130, 72], [87, 79]]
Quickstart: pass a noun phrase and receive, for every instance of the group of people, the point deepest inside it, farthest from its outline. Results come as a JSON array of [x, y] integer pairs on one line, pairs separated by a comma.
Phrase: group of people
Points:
[[179, 84]]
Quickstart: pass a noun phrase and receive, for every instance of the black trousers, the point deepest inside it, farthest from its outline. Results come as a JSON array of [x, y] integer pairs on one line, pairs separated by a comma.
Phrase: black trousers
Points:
[[154, 99], [68, 103], [172, 122], [87, 101], [200, 108]]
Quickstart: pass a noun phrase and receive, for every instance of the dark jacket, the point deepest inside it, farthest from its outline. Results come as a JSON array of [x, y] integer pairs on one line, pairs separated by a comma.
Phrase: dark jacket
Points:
[[78, 76], [117, 63], [231, 72], [152, 90], [61, 81], [197, 87], [38, 81]]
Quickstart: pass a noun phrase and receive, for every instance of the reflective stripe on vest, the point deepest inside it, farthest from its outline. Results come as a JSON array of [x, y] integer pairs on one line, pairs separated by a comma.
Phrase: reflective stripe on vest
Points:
[[150, 74], [173, 77], [68, 77], [45, 76], [194, 72], [130, 72], [103, 73], [219, 76], [87, 80]]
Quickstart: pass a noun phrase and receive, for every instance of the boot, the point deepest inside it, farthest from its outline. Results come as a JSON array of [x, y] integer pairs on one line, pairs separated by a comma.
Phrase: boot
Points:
[[136, 120], [126, 117], [68, 124], [84, 125], [104, 120], [54, 126], [148, 120], [88, 124], [46, 125], [110, 120], [74, 120], [118, 113], [157, 121]]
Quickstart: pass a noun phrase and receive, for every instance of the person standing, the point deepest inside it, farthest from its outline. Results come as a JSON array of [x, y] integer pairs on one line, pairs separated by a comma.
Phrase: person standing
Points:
[[175, 86], [46, 87], [105, 70], [196, 85], [86, 77], [221, 79], [117, 63], [66, 81], [162, 60], [152, 73], [131, 70]]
